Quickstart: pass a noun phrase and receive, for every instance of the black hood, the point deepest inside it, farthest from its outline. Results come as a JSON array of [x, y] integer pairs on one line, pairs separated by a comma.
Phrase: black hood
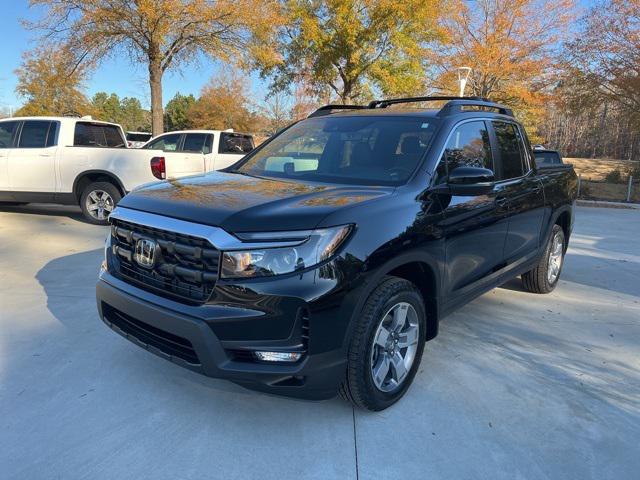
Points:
[[240, 203]]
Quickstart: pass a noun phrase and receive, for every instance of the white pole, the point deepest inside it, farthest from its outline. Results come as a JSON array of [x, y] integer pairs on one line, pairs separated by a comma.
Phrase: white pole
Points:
[[463, 76], [629, 186]]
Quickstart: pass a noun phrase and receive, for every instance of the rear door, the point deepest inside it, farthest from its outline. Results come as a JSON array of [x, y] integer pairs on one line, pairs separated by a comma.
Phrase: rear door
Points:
[[194, 148], [170, 144], [231, 148], [8, 131], [522, 188], [32, 163]]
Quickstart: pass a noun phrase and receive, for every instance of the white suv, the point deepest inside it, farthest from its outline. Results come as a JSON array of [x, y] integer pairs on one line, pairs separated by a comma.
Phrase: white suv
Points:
[[80, 161]]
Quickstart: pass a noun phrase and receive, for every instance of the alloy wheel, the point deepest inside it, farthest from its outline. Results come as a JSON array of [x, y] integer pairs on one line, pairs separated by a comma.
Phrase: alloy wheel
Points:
[[394, 347], [99, 204], [555, 258]]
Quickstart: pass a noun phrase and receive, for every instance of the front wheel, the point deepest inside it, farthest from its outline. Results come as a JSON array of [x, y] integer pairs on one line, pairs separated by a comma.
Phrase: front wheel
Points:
[[386, 346], [544, 277], [98, 200]]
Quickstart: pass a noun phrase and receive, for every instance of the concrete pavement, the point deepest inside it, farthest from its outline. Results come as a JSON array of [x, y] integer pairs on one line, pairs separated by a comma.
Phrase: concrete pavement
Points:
[[515, 386]]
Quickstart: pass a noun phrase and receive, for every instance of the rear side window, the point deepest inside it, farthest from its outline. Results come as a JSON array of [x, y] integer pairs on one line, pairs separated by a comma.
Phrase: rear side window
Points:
[[196, 143], [97, 135], [236, 143], [7, 130], [167, 143], [547, 158], [509, 150], [34, 134], [468, 146], [138, 137]]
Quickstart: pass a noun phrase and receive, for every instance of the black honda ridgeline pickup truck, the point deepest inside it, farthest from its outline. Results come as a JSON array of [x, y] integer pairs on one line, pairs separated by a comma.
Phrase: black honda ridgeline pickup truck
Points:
[[323, 260]]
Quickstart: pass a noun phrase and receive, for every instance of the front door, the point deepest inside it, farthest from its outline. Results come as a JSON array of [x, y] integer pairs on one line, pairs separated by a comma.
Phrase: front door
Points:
[[474, 227], [32, 164], [523, 190]]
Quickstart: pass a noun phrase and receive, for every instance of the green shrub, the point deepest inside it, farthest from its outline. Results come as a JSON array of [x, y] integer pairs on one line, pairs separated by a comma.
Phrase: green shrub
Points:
[[614, 176]]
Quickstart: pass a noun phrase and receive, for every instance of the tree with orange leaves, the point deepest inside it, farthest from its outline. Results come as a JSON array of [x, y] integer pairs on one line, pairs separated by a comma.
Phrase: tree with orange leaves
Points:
[[509, 44], [162, 34]]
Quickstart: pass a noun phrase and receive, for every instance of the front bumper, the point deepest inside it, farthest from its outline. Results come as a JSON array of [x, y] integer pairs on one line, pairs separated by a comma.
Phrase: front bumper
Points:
[[184, 336]]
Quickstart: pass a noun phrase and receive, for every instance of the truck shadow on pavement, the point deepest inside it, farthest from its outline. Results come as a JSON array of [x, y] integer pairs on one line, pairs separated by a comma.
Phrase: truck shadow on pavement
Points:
[[68, 211], [616, 275]]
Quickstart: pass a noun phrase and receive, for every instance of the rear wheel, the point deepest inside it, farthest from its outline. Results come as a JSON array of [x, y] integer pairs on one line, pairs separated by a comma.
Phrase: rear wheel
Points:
[[98, 200], [386, 347], [544, 277]]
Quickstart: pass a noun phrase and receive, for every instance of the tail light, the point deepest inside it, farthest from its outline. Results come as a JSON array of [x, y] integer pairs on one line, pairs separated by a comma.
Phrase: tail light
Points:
[[158, 168]]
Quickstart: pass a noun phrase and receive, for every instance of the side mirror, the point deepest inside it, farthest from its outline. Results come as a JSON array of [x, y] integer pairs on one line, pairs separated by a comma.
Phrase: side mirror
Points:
[[468, 181]]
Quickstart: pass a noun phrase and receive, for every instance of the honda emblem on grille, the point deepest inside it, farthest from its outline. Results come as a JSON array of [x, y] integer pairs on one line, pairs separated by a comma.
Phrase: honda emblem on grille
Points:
[[146, 252]]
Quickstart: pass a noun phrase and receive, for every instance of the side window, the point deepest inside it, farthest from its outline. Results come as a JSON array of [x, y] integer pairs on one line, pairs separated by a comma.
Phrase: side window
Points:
[[167, 143], [236, 143], [468, 146], [113, 136], [52, 137], [34, 134], [509, 150], [97, 135], [7, 130], [195, 142]]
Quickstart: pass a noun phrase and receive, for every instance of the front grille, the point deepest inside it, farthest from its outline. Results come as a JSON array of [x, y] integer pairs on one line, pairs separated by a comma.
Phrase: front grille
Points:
[[186, 267], [168, 343]]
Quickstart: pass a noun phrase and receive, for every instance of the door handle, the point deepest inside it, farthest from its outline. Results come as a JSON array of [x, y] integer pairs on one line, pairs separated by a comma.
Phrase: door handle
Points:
[[501, 201]]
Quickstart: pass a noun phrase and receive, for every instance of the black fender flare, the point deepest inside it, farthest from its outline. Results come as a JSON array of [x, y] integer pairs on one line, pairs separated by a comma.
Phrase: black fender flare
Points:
[[375, 276], [555, 215]]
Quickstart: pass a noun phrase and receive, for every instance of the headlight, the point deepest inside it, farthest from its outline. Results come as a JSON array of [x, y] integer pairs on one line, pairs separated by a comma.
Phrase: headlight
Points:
[[320, 245]]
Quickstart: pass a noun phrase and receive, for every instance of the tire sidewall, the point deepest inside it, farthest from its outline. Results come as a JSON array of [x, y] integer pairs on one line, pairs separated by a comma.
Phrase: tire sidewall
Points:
[[380, 399], [111, 189]]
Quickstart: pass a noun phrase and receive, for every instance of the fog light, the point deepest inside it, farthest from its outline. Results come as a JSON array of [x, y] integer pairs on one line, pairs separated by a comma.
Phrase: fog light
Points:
[[278, 356]]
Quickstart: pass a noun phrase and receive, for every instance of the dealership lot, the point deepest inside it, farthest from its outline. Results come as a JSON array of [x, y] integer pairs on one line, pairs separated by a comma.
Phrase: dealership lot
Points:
[[515, 386]]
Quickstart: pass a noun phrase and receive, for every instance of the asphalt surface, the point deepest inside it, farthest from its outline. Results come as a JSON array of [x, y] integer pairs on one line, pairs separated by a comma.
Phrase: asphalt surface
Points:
[[516, 386]]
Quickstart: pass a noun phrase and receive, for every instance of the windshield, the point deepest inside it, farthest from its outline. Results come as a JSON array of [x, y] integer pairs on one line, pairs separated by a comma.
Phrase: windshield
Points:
[[368, 150]]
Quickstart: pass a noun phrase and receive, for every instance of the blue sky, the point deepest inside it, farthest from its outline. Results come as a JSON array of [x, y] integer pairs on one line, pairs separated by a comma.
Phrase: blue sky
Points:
[[117, 75]]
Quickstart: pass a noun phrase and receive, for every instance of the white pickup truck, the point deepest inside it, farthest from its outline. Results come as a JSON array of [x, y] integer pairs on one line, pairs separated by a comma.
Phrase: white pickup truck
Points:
[[84, 162]]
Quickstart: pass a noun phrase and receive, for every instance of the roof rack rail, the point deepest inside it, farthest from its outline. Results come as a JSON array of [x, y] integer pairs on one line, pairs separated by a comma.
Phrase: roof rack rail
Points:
[[453, 105], [329, 109], [436, 98], [456, 106]]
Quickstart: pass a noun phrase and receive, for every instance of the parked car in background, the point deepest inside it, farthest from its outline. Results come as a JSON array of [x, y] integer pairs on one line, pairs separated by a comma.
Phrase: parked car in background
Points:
[[80, 161], [208, 149], [138, 139], [547, 158], [324, 260]]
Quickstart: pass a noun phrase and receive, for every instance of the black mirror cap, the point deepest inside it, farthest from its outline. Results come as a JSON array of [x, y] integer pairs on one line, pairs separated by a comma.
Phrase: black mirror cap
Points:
[[470, 181], [470, 176]]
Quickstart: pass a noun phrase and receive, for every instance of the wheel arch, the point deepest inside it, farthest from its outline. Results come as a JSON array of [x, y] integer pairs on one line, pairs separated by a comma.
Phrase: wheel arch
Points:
[[420, 269], [563, 216], [90, 176]]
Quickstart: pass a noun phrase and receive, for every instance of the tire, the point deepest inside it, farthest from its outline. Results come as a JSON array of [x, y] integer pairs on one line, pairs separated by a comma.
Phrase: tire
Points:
[[359, 386], [544, 277], [98, 199]]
